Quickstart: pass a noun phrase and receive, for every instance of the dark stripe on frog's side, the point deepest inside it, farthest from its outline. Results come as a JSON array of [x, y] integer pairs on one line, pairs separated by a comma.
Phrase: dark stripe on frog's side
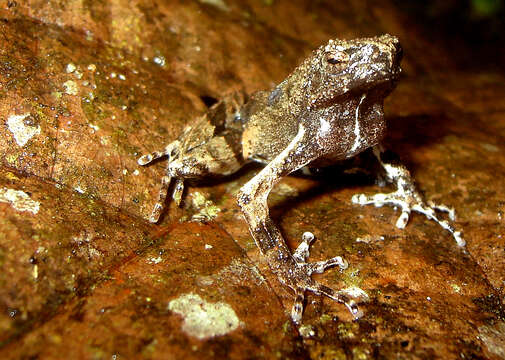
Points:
[[224, 114]]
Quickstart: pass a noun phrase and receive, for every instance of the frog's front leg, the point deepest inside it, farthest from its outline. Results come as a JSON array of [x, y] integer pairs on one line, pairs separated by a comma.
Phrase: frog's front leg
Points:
[[291, 269], [214, 157], [406, 196], [165, 180]]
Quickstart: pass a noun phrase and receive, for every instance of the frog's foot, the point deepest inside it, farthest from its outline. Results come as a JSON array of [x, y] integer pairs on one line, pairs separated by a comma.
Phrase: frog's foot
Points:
[[299, 279], [408, 201]]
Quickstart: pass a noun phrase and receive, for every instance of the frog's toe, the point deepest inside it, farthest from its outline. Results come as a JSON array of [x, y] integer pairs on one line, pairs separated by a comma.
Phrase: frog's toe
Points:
[[381, 199], [443, 208], [156, 213], [403, 219], [378, 200], [319, 267], [429, 210], [148, 158], [349, 297], [297, 308], [302, 253], [350, 300], [178, 191]]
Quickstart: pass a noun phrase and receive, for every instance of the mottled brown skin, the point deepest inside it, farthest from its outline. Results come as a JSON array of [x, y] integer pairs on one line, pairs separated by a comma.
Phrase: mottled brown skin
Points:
[[329, 108], [319, 90]]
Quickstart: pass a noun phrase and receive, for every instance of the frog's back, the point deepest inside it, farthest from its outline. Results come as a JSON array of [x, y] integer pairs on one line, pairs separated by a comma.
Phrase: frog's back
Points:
[[269, 126]]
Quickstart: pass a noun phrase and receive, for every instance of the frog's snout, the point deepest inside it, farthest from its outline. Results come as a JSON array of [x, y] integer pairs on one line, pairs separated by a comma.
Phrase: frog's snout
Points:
[[396, 51], [397, 58]]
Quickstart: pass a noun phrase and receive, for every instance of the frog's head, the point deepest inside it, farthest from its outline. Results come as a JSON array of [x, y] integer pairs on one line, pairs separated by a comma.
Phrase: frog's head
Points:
[[353, 67]]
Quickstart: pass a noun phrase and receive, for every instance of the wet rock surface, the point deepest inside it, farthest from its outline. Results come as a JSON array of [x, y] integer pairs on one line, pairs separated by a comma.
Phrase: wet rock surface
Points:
[[87, 87]]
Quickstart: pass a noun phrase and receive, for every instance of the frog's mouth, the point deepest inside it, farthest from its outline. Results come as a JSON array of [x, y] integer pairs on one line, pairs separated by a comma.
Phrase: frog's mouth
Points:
[[381, 88]]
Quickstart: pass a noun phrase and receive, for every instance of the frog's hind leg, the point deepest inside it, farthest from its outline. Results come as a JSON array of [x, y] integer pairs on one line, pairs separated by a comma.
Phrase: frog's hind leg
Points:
[[290, 268], [165, 180], [162, 196], [406, 196], [216, 156]]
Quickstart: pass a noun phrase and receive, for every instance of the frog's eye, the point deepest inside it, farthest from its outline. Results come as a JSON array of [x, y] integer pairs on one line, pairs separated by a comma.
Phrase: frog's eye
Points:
[[336, 57]]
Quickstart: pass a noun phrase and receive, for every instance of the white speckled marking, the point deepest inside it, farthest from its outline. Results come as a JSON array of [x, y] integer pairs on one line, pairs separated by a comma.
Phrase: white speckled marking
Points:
[[220, 4], [70, 87], [324, 127], [70, 68], [22, 133], [154, 260], [202, 319], [357, 131], [19, 200], [35, 271]]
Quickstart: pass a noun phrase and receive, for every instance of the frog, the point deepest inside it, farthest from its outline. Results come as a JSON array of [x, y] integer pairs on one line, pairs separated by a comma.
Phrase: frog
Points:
[[329, 109]]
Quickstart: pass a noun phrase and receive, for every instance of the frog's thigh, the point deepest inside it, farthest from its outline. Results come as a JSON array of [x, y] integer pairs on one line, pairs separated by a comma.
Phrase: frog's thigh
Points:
[[217, 157]]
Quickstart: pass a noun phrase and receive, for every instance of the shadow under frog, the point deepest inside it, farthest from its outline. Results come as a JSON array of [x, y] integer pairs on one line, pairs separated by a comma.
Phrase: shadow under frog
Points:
[[330, 108]]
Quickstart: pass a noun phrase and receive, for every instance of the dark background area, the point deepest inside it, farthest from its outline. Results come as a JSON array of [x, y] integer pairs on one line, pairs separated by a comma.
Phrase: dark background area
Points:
[[473, 30]]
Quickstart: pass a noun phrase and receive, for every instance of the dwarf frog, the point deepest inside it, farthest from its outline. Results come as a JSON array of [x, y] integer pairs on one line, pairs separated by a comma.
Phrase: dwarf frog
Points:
[[330, 108]]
